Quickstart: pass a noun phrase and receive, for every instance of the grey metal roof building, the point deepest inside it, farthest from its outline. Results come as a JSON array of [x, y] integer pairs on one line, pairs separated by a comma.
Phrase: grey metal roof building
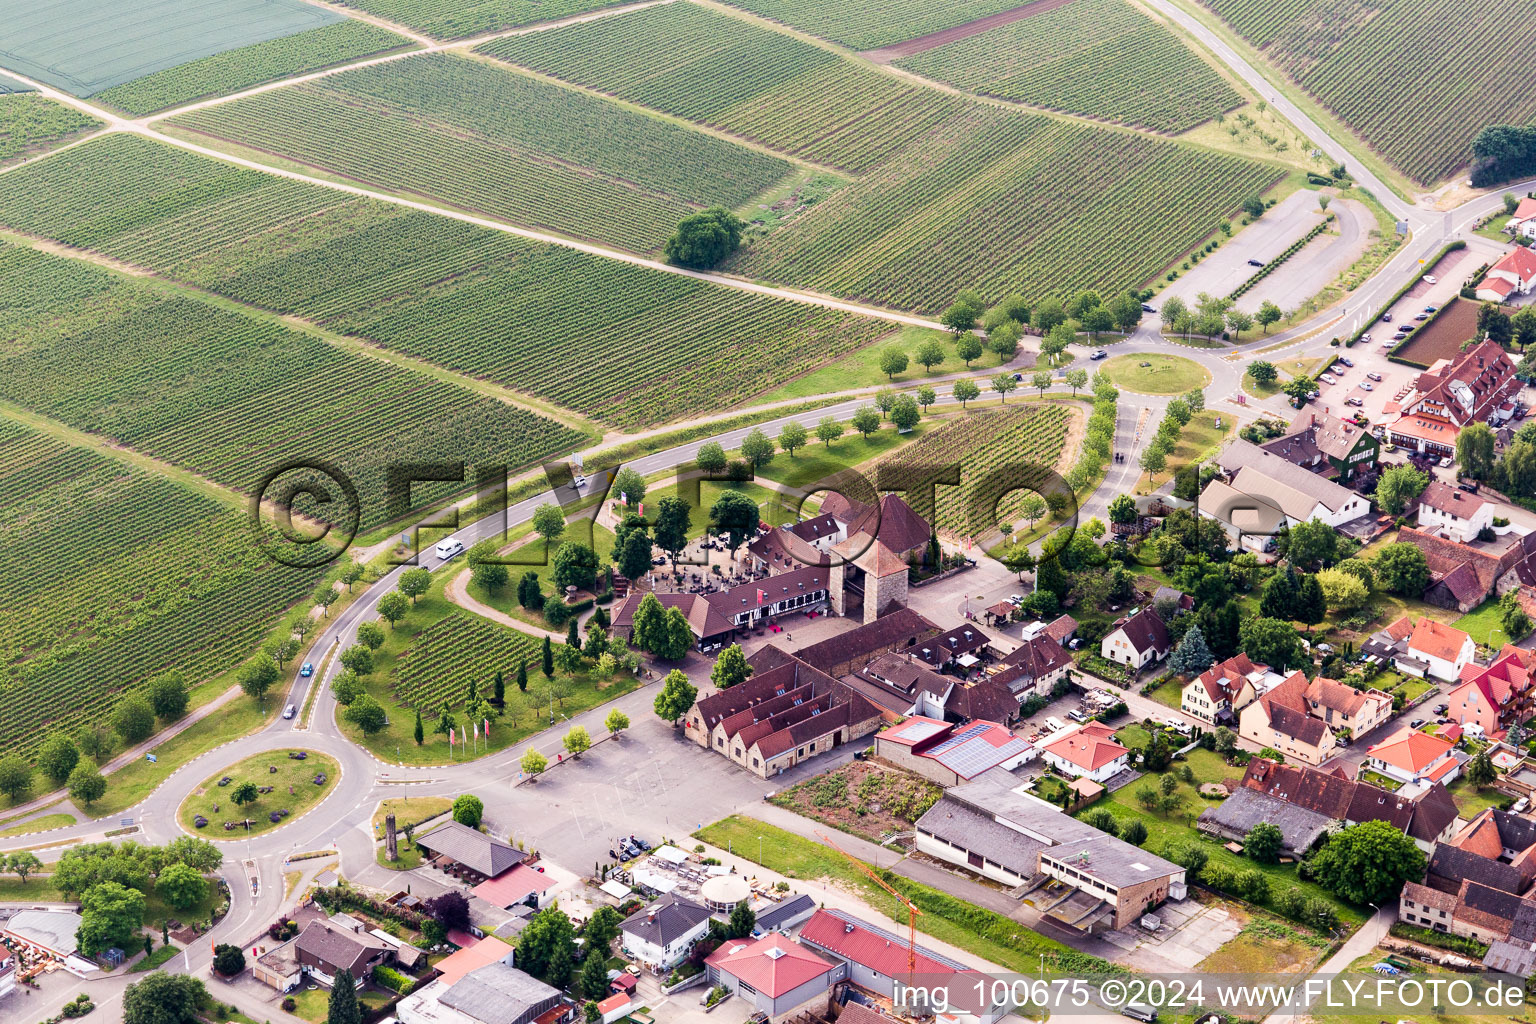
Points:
[[474, 850], [786, 913], [499, 994], [1234, 816], [665, 921]]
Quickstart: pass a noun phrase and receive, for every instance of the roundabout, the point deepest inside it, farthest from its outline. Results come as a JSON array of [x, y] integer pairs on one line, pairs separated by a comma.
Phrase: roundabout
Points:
[[258, 794], [1152, 373]]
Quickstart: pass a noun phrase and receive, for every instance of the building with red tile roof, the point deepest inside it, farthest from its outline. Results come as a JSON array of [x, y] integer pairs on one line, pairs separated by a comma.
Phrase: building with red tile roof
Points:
[[1218, 693], [523, 884], [1086, 750], [1512, 273], [1282, 719], [1523, 220], [1412, 756], [950, 754], [1476, 386], [1495, 696], [775, 975], [875, 959], [1341, 706], [1453, 513]]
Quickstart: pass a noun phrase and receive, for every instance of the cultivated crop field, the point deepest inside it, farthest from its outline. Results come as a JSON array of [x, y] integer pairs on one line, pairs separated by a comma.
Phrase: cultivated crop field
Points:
[[1098, 58], [455, 19], [728, 73], [867, 24], [486, 139], [437, 667], [141, 576], [230, 396], [996, 449], [627, 344], [1442, 336], [86, 46], [248, 66], [1004, 201], [30, 124], [1415, 78]]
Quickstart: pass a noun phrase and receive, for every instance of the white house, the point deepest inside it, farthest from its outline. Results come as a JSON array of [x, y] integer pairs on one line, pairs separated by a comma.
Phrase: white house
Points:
[[662, 934], [1523, 220], [1513, 274], [1454, 513], [1087, 751], [1412, 756], [1426, 649], [1272, 487], [1136, 640]]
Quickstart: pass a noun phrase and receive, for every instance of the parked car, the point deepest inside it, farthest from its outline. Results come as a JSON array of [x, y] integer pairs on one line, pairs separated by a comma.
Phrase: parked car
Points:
[[1077, 716], [1431, 279], [1389, 447], [1366, 385], [1327, 378], [1355, 401], [1255, 263], [1447, 462], [1016, 599], [1373, 375], [1018, 376], [1386, 318], [1430, 309], [1346, 360], [307, 671], [1366, 336], [1469, 488], [1415, 723], [1422, 316], [1314, 394]]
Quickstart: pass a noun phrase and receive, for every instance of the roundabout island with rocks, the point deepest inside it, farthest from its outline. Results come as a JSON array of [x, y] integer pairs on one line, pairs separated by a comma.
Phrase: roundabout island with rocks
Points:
[[258, 794]]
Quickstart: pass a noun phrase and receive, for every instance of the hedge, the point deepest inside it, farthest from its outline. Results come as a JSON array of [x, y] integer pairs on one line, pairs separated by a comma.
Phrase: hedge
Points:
[[1275, 263], [1441, 940], [1387, 306], [388, 977]]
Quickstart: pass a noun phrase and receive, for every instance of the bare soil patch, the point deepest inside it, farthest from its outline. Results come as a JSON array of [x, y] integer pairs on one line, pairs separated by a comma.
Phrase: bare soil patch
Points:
[[1442, 337], [934, 40], [870, 799]]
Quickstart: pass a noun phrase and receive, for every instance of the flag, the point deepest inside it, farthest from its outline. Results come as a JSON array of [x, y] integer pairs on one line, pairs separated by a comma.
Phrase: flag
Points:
[[487, 728], [450, 735], [760, 596], [641, 506], [624, 497]]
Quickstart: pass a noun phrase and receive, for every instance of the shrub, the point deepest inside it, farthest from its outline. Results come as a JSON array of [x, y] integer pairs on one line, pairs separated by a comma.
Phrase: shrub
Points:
[[388, 977]]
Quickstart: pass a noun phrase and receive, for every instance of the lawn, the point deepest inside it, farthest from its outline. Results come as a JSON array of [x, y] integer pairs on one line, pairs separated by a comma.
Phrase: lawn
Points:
[[771, 505], [1485, 623], [1265, 946], [290, 787], [816, 463], [1161, 375], [1471, 801], [1258, 390], [1199, 438], [409, 812], [862, 368], [532, 552], [39, 824], [162, 955], [1170, 693], [1133, 737]]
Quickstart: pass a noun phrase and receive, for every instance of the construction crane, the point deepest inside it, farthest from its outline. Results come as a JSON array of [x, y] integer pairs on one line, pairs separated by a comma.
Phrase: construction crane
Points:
[[912, 910]]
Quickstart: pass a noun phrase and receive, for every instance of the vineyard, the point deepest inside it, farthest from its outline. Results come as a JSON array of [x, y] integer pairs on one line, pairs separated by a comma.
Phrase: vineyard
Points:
[[868, 24], [1098, 58], [1451, 72], [29, 124], [141, 577], [623, 343], [1019, 444], [232, 397], [485, 139], [1004, 202], [728, 73], [438, 666], [248, 66], [455, 19]]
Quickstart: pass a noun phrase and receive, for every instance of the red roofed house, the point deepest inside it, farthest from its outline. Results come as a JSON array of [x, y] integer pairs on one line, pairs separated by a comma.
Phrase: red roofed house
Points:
[[1513, 274], [1087, 751], [1426, 648], [1281, 718], [1412, 756], [1496, 696], [775, 975], [1475, 386], [523, 884], [1341, 706], [1523, 220], [1218, 693], [1453, 512], [615, 1007]]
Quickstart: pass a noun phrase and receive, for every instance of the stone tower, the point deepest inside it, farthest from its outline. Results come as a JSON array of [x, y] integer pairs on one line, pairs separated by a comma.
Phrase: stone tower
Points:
[[391, 852]]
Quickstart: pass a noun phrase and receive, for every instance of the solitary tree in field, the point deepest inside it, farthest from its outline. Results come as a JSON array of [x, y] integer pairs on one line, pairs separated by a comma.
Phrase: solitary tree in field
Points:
[[892, 362], [791, 437], [828, 430], [968, 348], [930, 354], [393, 607], [704, 239]]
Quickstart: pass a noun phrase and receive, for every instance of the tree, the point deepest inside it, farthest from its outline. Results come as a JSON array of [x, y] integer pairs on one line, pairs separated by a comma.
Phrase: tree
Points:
[[1524, 325], [1271, 641], [577, 740], [414, 582], [616, 722], [892, 361], [710, 458], [792, 436], [702, 240], [930, 354], [1126, 309], [533, 762], [1268, 315], [168, 696], [574, 565], [57, 757], [741, 921], [1342, 591], [326, 596], [676, 696], [1368, 863], [164, 999], [1299, 387], [1032, 507], [417, 733], [965, 391], [346, 688], [1263, 372], [1312, 545], [1402, 569], [1077, 379], [1173, 310], [1134, 832], [341, 1007], [1513, 617], [736, 516], [676, 639], [1474, 450], [393, 607], [1191, 656], [86, 784], [1397, 486], [23, 863], [1238, 321], [547, 946], [674, 516], [730, 668], [245, 793], [111, 914], [828, 430], [1154, 460], [134, 719], [1226, 741], [1056, 341], [1480, 771], [904, 413], [1253, 206], [757, 448], [594, 980], [1049, 313], [182, 887], [1003, 383], [866, 420], [367, 714], [968, 348], [468, 809], [228, 960], [1263, 842], [1122, 509], [633, 555], [358, 658], [549, 521], [648, 627], [483, 570]]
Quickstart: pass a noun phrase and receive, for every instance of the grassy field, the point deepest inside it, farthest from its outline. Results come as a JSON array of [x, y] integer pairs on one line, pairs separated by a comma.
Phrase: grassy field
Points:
[[1099, 58], [30, 124], [1333, 52], [1197, 441], [1162, 375], [248, 66], [817, 462], [408, 811], [1485, 624], [1471, 801], [862, 368], [39, 824], [291, 788], [441, 126], [623, 343], [505, 599], [773, 507]]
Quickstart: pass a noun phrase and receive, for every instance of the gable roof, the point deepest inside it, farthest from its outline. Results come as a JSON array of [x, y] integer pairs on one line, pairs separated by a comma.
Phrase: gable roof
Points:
[[1518, 260], [1039, 656], [337, 947], [485, 854], [1341, 697], [665, 921], [513, 886], [1450, 866], [772, 964], [1436, 639], [1060, 628], [892, 629], [498, 994], [857, 941], [1525, 211], [1144, 630], [1285, 705], [457, 964], [1442, 497], [1225, 680], [1294, 490], [1323, 792], [951, 644]]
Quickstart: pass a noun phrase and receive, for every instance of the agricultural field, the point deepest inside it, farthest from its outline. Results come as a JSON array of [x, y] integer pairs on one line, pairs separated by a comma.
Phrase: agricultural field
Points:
[[868, 24], [1442, 336], [87, 46], [10, 86], [142, 576], [249, 66], [996, 451], [440, 664], [623, 343], [30, 124], [729, 73], [1003, 201], [1098, 58], [1444, 83], [231, 396], [456, 19], [485, 139]]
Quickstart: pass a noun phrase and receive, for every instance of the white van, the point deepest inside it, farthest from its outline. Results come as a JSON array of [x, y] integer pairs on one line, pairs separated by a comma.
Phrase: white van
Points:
[[1054, 724], [447, 549]]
